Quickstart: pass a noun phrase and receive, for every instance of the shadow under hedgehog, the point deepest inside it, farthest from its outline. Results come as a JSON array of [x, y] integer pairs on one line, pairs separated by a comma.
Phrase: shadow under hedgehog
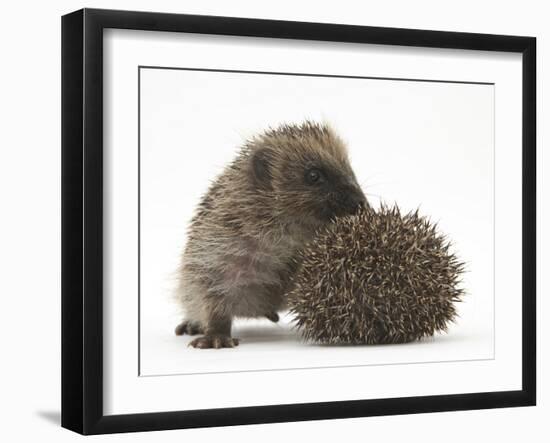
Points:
[[244, 239]]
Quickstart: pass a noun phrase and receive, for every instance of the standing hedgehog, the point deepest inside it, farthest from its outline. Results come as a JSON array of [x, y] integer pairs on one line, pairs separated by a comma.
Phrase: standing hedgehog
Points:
[[245, 236]]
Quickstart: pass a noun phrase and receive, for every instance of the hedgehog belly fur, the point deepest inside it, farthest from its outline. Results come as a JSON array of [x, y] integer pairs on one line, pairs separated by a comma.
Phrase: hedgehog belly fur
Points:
[[238, 278]]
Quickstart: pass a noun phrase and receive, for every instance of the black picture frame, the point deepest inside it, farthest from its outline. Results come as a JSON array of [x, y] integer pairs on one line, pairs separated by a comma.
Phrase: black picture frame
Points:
[[82, 220]]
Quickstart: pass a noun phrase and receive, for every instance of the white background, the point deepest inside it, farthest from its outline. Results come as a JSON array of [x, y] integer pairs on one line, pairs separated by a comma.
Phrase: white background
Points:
[[30, 254], [421, 144]]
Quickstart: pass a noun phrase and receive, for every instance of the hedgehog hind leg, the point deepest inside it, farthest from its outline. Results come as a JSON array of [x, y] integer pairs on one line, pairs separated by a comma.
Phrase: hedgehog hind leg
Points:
[[189, 296], [189, 327]]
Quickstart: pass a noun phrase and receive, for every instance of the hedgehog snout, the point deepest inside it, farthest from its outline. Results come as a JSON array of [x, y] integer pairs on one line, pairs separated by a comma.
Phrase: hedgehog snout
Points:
[[352, 199]]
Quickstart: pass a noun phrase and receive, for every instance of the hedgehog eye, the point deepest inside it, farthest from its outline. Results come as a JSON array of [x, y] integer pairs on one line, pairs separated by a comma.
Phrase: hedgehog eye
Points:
[[313, 176]]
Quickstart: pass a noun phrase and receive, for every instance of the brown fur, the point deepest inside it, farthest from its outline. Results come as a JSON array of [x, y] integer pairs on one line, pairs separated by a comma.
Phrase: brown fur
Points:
[[244, 238]]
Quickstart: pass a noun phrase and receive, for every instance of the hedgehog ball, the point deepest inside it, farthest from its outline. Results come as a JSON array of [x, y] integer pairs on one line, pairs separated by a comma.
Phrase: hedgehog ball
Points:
[[376, 277]]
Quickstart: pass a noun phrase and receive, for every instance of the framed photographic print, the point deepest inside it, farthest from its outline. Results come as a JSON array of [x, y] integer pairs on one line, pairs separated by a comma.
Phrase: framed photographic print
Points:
[[269, 221]]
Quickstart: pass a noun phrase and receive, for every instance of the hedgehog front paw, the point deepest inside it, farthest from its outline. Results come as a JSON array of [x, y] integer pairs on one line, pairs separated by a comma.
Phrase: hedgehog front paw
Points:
[[214, 342], [189, 327]]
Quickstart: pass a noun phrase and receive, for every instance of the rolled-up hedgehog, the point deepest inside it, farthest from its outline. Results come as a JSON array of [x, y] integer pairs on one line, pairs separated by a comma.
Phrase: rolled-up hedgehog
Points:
[[376, 277]]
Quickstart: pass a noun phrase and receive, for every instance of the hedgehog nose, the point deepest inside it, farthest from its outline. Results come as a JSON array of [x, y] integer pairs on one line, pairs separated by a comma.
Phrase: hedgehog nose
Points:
[[355, 200]]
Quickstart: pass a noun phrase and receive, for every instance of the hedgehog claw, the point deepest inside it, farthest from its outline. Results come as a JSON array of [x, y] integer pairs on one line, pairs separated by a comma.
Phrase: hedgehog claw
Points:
[[214, 342]]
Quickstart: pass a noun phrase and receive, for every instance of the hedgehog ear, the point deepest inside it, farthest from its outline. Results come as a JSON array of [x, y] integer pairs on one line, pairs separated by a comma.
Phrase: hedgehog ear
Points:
[[260, 169]]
